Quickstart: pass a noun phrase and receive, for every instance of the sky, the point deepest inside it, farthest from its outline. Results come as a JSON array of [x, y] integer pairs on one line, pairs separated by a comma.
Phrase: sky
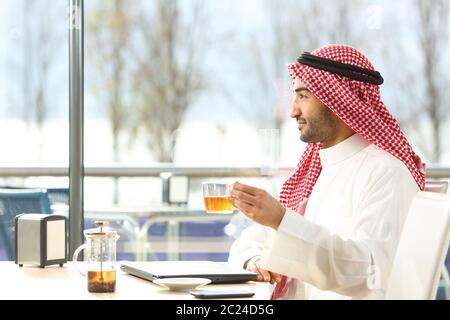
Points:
[[246, 16], [200, 122]]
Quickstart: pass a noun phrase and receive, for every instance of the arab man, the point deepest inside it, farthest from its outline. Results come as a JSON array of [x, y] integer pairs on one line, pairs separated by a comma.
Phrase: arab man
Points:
[[333, 233]]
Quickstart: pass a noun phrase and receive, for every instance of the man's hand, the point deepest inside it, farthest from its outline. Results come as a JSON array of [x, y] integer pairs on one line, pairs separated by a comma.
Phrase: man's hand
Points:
[[257, 204], [263, 275]]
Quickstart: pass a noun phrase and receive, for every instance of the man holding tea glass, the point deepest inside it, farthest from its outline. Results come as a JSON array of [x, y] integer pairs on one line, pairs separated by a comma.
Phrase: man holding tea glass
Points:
[[334, 231]]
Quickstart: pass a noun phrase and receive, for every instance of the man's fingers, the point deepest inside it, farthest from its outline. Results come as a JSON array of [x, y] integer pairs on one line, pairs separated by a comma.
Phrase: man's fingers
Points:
[[245, 188], [246, 197], [276, 277], [264, 273], [259, 276], [242, 206], [234, 201]]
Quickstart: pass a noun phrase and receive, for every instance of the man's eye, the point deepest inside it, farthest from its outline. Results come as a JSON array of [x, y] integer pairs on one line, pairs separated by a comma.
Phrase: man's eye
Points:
[[302, 96]]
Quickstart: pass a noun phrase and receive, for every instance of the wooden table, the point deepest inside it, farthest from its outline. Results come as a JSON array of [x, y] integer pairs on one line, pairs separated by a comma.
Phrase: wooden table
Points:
[[63, 283]]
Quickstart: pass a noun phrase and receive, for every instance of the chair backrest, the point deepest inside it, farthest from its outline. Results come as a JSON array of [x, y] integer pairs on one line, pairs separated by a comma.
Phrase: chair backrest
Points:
[[436, 186], [422, 248], [58, 195], [14, 202]]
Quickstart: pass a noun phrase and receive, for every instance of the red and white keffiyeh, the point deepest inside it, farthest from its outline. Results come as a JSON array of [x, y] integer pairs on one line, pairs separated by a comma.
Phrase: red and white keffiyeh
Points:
[[358, 105]]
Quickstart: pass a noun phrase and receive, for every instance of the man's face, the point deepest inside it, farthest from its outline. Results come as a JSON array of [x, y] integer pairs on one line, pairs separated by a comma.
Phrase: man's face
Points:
[[315, 121]]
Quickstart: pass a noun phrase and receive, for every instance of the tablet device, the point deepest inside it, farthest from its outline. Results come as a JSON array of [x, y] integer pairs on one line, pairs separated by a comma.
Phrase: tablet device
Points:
[[217, 294], [217, 272]]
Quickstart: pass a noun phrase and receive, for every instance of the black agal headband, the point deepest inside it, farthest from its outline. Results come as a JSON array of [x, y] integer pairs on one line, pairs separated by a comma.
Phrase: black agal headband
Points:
[[343, 69]]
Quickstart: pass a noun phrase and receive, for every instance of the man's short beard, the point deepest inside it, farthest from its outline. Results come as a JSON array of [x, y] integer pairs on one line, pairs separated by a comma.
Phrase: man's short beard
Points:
[[319, 129]]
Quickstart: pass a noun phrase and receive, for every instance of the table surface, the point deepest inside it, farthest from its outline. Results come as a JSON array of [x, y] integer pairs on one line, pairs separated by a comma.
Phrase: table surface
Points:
[[62, 283]]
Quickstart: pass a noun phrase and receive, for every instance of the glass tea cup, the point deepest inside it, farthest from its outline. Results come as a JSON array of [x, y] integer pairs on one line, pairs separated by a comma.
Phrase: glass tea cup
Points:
[[100, 254], [215, 196]]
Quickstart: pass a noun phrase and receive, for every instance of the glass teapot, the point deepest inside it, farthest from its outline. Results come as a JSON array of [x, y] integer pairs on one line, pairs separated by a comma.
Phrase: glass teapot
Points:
[[100, 256]]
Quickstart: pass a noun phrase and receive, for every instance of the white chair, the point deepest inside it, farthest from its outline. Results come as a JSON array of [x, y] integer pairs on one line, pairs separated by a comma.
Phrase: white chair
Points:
[[436, 186], [422, 248], [441, 187]]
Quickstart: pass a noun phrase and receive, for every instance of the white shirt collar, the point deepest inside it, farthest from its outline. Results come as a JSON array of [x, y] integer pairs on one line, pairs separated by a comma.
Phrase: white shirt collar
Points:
[[343, 150]]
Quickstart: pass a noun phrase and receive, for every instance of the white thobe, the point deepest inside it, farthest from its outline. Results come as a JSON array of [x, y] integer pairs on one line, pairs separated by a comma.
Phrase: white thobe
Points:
[[344, 245]]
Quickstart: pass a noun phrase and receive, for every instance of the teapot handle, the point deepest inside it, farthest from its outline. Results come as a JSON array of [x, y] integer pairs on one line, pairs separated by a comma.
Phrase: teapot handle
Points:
[[75, 258]]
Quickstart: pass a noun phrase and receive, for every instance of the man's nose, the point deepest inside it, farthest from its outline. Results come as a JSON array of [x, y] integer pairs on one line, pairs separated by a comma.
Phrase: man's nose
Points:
[[295, 111]]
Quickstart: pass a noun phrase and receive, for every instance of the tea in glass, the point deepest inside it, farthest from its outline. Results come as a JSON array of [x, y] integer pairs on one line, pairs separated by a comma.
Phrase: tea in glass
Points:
[[215, 196], [102, 281]]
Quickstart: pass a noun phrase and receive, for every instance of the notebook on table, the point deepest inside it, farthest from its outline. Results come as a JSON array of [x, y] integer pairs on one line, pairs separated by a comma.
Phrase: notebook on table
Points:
[[217, 272]]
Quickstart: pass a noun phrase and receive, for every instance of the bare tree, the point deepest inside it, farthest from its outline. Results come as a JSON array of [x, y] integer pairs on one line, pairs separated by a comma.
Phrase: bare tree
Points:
[[109, 37], [169, 74], [423, 105], [433, 42], [293, 26], [38, 41]]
